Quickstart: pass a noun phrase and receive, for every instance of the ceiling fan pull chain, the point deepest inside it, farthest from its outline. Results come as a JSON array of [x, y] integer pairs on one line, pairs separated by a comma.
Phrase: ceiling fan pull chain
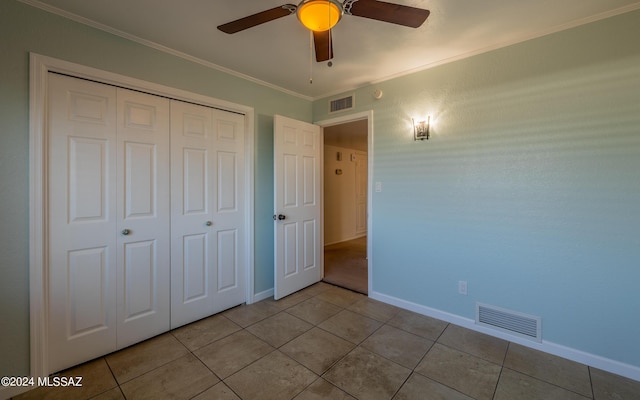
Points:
[[329, 33], [310, 57], [330, 47]]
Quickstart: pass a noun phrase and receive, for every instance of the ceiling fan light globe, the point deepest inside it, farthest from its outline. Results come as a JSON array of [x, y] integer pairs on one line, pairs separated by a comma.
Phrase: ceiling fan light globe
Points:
[[319, 15]]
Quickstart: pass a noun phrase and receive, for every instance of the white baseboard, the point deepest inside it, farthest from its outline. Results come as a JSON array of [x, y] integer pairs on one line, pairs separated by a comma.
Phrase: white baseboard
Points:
[[592, 360], [262, 295]]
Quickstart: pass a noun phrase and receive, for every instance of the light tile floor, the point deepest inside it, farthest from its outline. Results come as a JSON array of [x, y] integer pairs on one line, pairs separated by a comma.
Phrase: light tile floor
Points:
[[325, 342]]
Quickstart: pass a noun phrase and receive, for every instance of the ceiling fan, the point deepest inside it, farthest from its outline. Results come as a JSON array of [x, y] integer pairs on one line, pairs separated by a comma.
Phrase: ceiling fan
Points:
[[320, 16]]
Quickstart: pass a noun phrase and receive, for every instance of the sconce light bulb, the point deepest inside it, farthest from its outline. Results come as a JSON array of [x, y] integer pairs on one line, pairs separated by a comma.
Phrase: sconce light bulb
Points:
[[421, 129]]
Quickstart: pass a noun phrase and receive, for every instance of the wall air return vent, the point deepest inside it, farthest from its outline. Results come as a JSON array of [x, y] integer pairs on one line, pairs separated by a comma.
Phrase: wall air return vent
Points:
[[512, 322], [341, 104]]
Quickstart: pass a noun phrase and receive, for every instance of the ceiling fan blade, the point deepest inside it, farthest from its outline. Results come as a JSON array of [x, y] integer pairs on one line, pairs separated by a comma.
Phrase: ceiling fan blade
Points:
[[388, 12], [324, 45], [257, 19]]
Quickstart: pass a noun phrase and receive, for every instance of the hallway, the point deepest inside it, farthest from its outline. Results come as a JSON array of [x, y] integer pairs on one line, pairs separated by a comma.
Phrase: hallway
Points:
[[345, 264]]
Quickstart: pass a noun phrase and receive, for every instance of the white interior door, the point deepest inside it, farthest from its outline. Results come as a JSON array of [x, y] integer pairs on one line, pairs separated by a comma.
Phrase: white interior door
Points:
[[143, 277], [82, 221], [208, 216], [298, 245]]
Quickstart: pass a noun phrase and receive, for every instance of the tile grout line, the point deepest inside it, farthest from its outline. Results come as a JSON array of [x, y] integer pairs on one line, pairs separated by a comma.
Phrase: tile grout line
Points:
[[201, 362], [114, 378], [504, 358], [593, 393]]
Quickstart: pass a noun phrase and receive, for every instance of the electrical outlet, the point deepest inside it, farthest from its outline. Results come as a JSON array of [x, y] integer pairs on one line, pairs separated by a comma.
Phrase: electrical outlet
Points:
[[378, 186], [462, 287]]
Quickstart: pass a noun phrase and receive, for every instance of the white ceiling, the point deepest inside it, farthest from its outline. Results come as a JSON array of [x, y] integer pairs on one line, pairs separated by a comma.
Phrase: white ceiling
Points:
[[365, 51]]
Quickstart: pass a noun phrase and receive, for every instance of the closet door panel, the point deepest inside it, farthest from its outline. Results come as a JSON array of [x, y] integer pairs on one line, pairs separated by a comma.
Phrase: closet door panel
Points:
[[195, 180], [139, 279], [228, 268], [208, 212], [87, 292], [227, 188], [195, 271], [81, 234], [143, 216], [140, 169], [230, 210], [193, 266]]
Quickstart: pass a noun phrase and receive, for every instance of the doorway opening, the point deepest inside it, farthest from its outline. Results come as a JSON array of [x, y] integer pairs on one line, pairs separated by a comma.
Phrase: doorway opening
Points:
[[346, 182]]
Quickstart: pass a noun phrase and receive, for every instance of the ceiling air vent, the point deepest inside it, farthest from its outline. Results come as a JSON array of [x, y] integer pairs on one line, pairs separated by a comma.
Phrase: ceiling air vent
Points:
[[341, 104], [512, 322]]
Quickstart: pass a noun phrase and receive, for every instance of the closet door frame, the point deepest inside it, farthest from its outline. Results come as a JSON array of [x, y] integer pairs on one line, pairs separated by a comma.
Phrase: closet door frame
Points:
[[40, 67]]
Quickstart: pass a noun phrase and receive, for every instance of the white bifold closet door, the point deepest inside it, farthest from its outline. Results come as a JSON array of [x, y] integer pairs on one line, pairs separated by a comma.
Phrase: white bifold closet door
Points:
[[207, 211], [147, 216], [109, 219]]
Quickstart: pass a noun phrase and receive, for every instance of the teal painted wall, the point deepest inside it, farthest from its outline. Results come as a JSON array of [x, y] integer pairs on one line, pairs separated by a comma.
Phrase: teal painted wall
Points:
[[529, 188], [24, 29]]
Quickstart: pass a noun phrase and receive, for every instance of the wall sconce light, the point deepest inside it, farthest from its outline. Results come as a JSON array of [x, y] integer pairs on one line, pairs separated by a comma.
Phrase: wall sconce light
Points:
[[421, 129]]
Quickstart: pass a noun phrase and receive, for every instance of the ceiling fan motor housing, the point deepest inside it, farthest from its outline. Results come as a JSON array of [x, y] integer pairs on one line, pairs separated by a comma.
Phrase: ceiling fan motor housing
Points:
[[319, 15]]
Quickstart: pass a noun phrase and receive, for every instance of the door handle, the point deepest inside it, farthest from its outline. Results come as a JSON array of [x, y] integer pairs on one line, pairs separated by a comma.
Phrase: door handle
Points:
[[280, 217], [208, 223], [126, 232]]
